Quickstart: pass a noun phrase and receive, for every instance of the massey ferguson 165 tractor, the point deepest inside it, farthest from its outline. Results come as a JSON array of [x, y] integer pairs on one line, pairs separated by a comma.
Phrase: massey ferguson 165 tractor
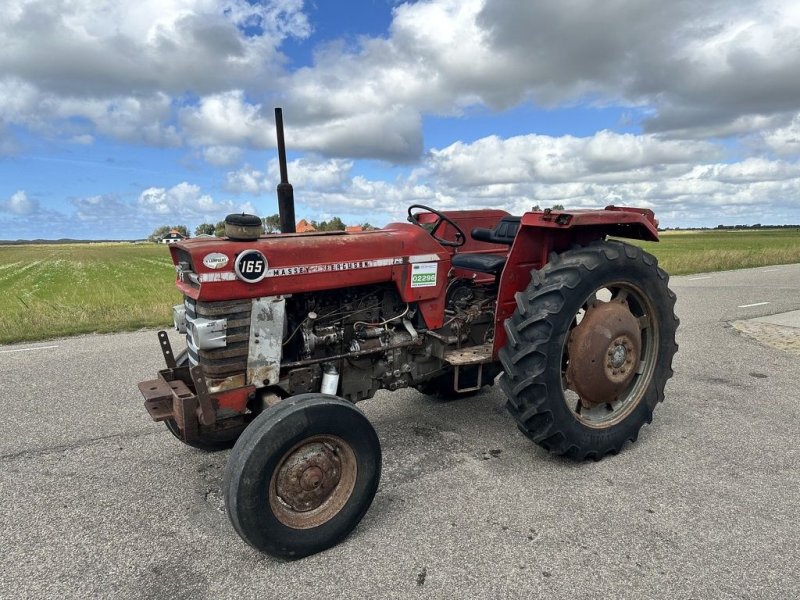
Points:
[[285, 333]]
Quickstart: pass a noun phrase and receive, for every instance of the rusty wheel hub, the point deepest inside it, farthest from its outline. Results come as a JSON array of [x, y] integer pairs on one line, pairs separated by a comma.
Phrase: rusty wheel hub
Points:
[[313, 482], [308, 475], [604, 352]]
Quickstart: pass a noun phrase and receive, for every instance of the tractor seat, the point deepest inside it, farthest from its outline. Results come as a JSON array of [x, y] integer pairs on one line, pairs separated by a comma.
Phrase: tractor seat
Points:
[[484, 263], [503, 233]]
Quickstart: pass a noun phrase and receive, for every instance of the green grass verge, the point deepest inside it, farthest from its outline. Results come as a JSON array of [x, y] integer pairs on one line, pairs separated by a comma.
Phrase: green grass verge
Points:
[[57, 290], [50, 291], [685, 252]]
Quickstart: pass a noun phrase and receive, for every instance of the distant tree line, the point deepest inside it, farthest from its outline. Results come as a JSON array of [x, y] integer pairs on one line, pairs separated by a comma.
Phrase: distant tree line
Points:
[[272, 224], [730, 227]]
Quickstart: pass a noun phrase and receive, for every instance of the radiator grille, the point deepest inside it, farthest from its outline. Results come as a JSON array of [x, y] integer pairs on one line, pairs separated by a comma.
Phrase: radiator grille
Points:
[[232, 359]]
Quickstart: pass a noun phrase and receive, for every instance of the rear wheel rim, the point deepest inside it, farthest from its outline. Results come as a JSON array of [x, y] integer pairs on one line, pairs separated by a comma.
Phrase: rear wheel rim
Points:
[[608, 414]]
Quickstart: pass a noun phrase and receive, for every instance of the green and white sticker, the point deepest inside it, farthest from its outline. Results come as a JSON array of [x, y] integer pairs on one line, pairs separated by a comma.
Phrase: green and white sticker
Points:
[[423, 275]]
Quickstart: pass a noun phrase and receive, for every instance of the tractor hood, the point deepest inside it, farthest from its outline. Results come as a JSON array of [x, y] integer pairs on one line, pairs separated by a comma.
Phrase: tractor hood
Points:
[[217, 269]]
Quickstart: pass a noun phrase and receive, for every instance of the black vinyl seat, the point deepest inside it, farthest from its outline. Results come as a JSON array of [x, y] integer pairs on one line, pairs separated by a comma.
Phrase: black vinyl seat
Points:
[[485, 263], [503, 233]]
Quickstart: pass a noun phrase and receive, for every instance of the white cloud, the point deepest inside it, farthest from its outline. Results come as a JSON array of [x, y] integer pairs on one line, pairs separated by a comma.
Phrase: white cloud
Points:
[[73, 48], [186, 201], [539, 158], [308, 173], [247, 180], [206, 74], [684, 182], [695, 66], [784, 141], [227, 118], [126, 68], [19, 204], [197, 71], [222, 156]]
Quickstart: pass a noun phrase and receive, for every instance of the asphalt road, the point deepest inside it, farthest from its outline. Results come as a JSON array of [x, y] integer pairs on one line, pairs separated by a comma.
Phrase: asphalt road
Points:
[[98, 501]]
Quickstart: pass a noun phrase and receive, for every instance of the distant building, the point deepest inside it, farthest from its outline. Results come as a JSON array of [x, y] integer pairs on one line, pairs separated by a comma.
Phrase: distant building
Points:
[[352, 228], [304, 226], [173, 237]]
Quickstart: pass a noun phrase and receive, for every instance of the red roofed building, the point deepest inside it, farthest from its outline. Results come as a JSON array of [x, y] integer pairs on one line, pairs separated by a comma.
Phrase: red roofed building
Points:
[[173, 237], [304, 226]]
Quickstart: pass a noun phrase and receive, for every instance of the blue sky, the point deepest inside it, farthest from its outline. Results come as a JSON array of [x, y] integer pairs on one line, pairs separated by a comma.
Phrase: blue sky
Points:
[[115, 122]]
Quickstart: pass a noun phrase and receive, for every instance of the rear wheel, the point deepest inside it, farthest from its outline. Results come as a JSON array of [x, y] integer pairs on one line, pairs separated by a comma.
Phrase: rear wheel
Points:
[[302, 475], [590, 349]]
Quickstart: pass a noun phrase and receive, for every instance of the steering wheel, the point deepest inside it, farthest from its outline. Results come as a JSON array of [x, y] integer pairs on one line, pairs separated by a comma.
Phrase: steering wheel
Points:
[[461, 237]]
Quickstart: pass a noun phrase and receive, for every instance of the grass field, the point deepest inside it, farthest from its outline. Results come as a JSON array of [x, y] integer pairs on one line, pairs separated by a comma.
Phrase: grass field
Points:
[[57, 290], [684, 252], [64, 289]]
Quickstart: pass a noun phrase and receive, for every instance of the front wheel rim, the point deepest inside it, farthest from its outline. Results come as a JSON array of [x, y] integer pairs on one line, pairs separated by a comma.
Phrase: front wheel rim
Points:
[[313, 481]]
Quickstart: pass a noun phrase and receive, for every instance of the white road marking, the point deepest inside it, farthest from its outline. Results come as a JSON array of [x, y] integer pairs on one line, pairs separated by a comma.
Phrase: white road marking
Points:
[[28, 349], [696, 278], [769, 270], [750, 305]]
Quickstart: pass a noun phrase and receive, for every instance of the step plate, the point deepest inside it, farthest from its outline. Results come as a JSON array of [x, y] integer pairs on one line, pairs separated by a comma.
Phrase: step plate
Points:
[[474, 355]]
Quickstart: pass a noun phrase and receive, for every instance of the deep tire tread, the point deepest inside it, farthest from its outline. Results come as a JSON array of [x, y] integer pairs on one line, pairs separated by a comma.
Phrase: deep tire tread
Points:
[[532, 333]]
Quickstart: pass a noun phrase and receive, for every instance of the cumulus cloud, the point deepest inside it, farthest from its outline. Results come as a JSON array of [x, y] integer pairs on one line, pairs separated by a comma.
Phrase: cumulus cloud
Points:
[[71, 48], [168, 73], [606, 155], [111, 216], [222, 156], [683, 181], [716, 68], [227, 118], [69, 69], [307, 173], [394, 134], [784, 141], [714, 84], [19, 204], [187, 201]]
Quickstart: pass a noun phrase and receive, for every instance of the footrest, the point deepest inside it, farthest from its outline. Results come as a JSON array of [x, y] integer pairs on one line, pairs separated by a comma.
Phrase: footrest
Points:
[[474, 355]]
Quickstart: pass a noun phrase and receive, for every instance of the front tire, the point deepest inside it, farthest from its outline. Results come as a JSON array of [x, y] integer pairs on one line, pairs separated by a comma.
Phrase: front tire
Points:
[[208, 440], [590, 349], [302, 475]]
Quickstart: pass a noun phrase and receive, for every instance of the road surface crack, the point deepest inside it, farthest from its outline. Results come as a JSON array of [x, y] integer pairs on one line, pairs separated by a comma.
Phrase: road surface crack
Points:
[[74, 446]]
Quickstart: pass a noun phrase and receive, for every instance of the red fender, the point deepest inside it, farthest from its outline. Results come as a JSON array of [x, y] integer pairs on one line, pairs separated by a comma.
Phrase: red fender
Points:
[[541, 233]]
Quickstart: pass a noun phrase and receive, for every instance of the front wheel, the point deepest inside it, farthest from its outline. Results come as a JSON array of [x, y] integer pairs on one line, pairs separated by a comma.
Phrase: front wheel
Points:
[[302, 475], [208, 440], [590, 349]]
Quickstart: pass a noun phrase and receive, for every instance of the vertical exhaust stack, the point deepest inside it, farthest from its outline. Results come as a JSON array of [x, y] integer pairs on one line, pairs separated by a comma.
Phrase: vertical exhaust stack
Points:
[[285, 190]]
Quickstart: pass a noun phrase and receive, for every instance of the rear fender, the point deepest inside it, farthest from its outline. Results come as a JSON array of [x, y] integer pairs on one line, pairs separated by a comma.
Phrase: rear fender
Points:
[[541, 233]]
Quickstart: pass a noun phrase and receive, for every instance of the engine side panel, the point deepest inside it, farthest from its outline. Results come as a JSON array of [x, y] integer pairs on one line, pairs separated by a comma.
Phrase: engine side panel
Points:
[[400, 253]]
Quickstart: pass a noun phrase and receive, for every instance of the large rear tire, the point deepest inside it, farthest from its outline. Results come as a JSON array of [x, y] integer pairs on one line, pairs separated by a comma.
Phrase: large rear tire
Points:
[[590, 349], [302, 475]]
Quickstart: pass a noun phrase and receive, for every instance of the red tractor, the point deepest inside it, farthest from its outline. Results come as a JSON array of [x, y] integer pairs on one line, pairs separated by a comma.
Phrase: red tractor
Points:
[[285, 333]]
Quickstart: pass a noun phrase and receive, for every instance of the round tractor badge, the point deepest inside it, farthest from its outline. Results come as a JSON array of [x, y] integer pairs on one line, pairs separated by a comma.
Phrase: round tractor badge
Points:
[[251, 266]]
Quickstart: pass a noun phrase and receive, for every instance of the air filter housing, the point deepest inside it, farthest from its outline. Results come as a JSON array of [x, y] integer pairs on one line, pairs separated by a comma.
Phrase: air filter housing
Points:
[[243, 227]]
